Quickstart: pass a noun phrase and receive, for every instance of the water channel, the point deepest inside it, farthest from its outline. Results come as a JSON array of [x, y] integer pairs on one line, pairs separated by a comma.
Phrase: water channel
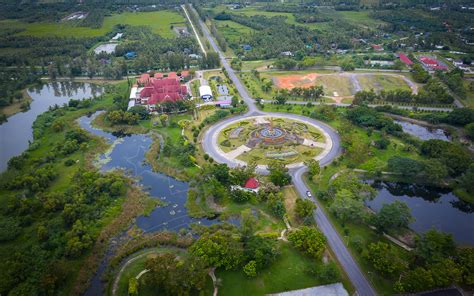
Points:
[[431, 207], [17, 132]]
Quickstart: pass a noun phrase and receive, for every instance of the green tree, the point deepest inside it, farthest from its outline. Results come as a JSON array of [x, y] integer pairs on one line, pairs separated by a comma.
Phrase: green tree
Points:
[[164, 119], [309, 240], [384, 259], [218, 249], [346, 207], [248, 223], [434, 246], [279, 173], [9, 229], [392, 216], [276, 204], [314, 168], [175, 275], [250, 269], [304, 208]]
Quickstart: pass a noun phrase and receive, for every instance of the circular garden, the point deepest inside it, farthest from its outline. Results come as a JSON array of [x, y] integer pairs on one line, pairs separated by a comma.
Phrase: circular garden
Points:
[[262, 139]]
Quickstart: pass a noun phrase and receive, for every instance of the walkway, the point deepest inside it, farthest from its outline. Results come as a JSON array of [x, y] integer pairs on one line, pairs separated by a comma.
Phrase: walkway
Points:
[[358, 279]]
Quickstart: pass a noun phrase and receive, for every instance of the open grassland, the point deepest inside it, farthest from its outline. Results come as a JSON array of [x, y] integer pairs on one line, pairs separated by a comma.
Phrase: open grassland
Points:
[[159, 21], [382, 82]]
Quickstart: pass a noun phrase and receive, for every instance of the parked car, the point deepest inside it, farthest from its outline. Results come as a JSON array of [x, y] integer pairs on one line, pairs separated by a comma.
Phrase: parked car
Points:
[[308, 194]]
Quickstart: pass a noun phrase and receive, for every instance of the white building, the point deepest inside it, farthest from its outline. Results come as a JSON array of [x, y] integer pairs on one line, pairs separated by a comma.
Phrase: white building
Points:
[[205, 92]]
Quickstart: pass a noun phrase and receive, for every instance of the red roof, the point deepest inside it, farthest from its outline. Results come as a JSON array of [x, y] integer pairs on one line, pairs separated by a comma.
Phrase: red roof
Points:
[[161, 90], [251, 183], [405, 59], [377, 46], [184, 73], [429, 61], [144, 79], [158, 75], [172, 75]]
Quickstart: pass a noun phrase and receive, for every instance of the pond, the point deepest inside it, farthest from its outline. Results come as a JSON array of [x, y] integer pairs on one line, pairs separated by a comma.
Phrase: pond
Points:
[[128, 153], [17, 132], [422, 132], [431, 207]]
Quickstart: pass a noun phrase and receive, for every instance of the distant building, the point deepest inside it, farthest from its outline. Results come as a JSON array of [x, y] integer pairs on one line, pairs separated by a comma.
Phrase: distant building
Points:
[[433, 64], [404, 59], [247, 47], [205, 92], [377, 47], [458, 63], [286, 53]]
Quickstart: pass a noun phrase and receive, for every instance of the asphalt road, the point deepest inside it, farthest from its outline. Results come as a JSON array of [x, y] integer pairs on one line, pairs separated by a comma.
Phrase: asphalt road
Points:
[[356, 276]]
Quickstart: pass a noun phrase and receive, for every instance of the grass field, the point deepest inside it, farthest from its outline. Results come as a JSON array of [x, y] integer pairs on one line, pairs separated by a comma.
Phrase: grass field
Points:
[[289, 272], [159, 21], [382, 82]]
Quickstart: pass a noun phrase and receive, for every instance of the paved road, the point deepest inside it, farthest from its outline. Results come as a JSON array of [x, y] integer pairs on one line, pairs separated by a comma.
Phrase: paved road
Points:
[[442, 109], [358, 279]]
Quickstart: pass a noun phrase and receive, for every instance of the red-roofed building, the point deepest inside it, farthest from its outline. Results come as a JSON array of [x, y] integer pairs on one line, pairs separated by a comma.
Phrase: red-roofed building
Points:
[[144, 79], [158, 90], [172, 75], [377, 47], [404, 59], [251, 183], [433, 64]]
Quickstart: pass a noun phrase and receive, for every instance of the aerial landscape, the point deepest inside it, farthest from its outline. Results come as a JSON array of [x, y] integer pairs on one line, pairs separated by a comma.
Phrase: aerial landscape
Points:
[[220, 147]]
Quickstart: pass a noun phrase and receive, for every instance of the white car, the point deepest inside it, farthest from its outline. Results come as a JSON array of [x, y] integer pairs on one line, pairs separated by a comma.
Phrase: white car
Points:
[[308, 194]]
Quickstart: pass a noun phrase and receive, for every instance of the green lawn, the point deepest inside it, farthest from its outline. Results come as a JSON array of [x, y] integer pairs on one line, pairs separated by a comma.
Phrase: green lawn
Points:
[[159, 21], [289, 272]]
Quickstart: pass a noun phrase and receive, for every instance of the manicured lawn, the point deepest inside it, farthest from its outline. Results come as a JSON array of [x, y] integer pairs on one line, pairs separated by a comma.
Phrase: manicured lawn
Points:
[[289, 272], [158, 21]]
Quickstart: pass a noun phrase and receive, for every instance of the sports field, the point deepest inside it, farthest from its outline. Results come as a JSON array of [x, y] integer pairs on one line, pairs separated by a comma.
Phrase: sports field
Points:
[[159, 21]]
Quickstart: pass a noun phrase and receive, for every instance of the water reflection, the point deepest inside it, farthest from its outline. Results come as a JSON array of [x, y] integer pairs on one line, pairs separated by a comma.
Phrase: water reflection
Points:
[[16, 134], [422, 132], [431, 207]]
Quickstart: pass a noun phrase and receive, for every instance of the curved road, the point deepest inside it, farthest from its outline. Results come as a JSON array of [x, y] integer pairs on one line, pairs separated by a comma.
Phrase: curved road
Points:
[[356, 276]]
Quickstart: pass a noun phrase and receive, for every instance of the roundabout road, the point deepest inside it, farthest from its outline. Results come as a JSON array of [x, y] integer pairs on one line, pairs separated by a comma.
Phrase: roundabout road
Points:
[[210, 139], [360, 282]]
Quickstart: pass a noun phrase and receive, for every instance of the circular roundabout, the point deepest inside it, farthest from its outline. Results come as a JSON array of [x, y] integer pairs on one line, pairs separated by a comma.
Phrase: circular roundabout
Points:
[[289, 138]]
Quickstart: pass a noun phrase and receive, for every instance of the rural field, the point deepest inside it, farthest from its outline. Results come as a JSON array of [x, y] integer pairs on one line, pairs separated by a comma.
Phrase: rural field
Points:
[[159, 21], [358, 18], [338, 84]]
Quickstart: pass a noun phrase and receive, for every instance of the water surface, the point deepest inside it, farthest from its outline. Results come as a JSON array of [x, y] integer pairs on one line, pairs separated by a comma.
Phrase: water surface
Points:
[[17, 132], [431, 207], [422, 132]]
